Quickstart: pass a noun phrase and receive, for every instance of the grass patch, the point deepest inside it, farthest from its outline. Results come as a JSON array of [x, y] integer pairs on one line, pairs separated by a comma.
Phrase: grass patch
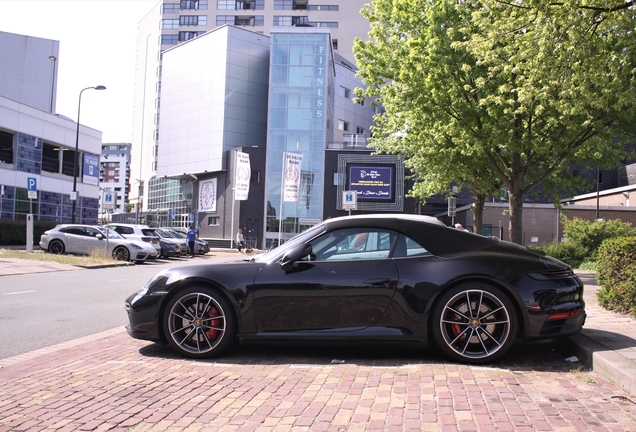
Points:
[[97, 257]]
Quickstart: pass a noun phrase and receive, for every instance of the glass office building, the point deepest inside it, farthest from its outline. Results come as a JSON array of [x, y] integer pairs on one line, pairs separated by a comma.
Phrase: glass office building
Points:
[[301, 89]]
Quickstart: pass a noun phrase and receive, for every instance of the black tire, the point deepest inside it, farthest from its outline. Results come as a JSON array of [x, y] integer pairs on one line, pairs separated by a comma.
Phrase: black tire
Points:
[[474, 323], [121, 254], [199, 323], [56, 247]]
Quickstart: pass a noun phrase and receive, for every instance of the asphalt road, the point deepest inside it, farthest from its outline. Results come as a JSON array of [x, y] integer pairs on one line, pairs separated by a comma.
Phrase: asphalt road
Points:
[[40, 310]]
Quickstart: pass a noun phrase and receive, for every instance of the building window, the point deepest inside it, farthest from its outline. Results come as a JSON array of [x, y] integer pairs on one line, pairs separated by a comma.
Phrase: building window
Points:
[[158, 86], [194, 4], [225, 19], [257, 20], [334, 44], [193, 20], [283, 21], [155, 149], [240, 5], [345, 92], [6, 147], [157, 118], [170, 24], [169, 39], [154, 166], [283, 4], [155, 135], [324, 7], [158, 71], [170, 8], [157, 102], [51, 158], [213, 221], [323, 24], [359, 130], [343, 125], [184, 35]]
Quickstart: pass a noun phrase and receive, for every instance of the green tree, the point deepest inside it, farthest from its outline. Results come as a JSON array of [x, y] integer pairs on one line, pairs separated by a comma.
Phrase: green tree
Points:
[[517, 90]]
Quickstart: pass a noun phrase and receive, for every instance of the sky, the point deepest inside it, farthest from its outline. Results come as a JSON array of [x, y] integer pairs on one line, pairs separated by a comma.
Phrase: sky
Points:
[[98, 44]]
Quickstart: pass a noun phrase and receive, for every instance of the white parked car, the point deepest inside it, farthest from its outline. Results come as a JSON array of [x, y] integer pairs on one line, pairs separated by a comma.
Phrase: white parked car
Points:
[[138, 232], [84, 239]]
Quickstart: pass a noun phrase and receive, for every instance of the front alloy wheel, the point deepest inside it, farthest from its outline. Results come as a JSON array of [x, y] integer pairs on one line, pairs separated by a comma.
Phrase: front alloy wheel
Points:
[[121, 254], [199, 323], [474, 323]]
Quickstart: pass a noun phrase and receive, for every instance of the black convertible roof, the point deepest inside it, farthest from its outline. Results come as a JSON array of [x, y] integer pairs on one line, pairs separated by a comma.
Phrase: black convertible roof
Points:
[[428, 231]]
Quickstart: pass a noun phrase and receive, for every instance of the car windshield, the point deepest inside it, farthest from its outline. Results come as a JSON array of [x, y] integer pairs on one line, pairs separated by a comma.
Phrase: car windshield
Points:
[[162, 234], [179, 234], [111, 233], [277, 253]]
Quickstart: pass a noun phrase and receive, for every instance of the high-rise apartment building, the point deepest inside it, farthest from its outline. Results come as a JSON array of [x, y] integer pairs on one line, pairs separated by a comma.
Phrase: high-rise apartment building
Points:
[[114, 175], [171, 22]]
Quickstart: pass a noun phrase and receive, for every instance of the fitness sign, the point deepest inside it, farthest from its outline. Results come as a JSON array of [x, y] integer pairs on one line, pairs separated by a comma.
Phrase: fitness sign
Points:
[[291, 176]]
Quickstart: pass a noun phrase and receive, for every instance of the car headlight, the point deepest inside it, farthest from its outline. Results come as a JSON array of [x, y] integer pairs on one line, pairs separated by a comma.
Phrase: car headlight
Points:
[[135, 246]]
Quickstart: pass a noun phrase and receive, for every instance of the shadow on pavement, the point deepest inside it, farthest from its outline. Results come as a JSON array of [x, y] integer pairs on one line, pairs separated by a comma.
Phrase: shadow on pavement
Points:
[[543, 356]]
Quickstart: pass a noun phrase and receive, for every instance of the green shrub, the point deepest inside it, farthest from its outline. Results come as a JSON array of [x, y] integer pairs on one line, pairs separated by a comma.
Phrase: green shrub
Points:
[[616, 274], [13, 232], [591, 234], [570, 252]]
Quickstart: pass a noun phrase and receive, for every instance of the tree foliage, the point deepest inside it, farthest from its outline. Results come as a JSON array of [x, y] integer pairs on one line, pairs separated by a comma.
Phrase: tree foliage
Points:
[[492, 93]]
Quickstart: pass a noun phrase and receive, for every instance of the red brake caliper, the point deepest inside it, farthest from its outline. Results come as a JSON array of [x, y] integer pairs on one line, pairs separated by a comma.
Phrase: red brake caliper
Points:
[[214, 323], [457, 329]]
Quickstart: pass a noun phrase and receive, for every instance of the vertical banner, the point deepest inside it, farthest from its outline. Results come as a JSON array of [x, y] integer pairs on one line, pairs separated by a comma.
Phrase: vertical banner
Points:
[[207, 195], [242, 176], [291, 176], [91, 169]]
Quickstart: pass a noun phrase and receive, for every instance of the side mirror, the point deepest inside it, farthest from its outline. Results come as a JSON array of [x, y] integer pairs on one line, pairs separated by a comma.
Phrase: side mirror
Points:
[[294, 254], [99, 236]]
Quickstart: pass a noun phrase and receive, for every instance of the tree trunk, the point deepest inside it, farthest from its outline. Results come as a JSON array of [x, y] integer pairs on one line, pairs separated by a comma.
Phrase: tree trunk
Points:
[[478, 214], [516, 218]]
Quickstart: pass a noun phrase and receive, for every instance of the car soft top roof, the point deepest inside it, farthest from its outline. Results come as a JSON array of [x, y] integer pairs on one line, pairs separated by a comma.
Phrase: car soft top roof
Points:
[[436, 237]]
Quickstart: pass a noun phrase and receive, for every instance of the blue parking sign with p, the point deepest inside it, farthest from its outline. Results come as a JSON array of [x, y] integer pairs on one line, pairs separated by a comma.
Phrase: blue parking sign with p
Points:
[[32, 184]]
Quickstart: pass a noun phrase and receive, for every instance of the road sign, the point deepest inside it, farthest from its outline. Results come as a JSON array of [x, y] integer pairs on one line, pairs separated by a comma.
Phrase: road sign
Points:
[[349, 200], [109, 200], [32, 184], [32, 187]]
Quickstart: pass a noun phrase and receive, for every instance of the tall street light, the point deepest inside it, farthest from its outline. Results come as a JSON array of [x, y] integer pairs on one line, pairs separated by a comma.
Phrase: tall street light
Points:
[[79, 106], [53, 59]]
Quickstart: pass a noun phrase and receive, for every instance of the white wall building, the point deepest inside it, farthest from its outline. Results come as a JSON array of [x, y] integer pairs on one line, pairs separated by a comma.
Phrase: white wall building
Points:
[[38, 147]]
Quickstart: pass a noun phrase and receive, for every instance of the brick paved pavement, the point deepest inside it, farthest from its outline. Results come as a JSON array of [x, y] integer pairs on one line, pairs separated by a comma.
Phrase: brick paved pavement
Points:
[[112, 382]]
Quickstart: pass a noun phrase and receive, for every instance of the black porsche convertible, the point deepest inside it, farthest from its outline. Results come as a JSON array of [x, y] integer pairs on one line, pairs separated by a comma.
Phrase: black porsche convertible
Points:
[[370, 278]]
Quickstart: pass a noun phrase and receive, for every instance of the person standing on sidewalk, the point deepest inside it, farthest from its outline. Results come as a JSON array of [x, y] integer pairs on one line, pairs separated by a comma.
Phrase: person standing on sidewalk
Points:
[[240, 240], [192, 236]]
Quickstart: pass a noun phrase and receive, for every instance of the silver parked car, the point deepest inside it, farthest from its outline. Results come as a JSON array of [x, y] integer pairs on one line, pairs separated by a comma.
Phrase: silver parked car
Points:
[[84, 239], [139, 233], [167, 236]]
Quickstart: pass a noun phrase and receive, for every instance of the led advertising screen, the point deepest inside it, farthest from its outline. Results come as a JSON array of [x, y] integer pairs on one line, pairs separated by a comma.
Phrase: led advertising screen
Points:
[[372, 182]]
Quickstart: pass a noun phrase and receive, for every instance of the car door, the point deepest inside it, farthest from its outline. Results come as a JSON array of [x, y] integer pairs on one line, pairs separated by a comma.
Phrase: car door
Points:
[[73, 239], [92, 242], [345, 285]]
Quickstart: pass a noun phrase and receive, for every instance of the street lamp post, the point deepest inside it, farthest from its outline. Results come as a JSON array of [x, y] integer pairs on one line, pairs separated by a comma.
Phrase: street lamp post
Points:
[[76, 169], [53, 59]]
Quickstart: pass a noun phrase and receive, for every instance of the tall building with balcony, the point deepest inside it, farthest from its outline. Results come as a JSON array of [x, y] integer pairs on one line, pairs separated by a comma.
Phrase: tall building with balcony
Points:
[[114, 174], [171, 22]]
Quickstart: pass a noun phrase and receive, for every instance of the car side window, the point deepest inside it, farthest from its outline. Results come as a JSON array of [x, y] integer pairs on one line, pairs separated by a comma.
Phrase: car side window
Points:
[[91, 232], [407, 247], [73, 230], [353, 243]]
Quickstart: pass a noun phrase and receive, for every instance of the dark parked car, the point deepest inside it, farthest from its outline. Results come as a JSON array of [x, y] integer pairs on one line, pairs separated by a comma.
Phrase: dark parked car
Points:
[[386, 278]]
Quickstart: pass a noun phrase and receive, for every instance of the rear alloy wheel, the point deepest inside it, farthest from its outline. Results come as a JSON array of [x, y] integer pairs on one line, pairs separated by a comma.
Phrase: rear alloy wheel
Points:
[[474, 323], [121, 254], [56, 247], [199, 323]]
